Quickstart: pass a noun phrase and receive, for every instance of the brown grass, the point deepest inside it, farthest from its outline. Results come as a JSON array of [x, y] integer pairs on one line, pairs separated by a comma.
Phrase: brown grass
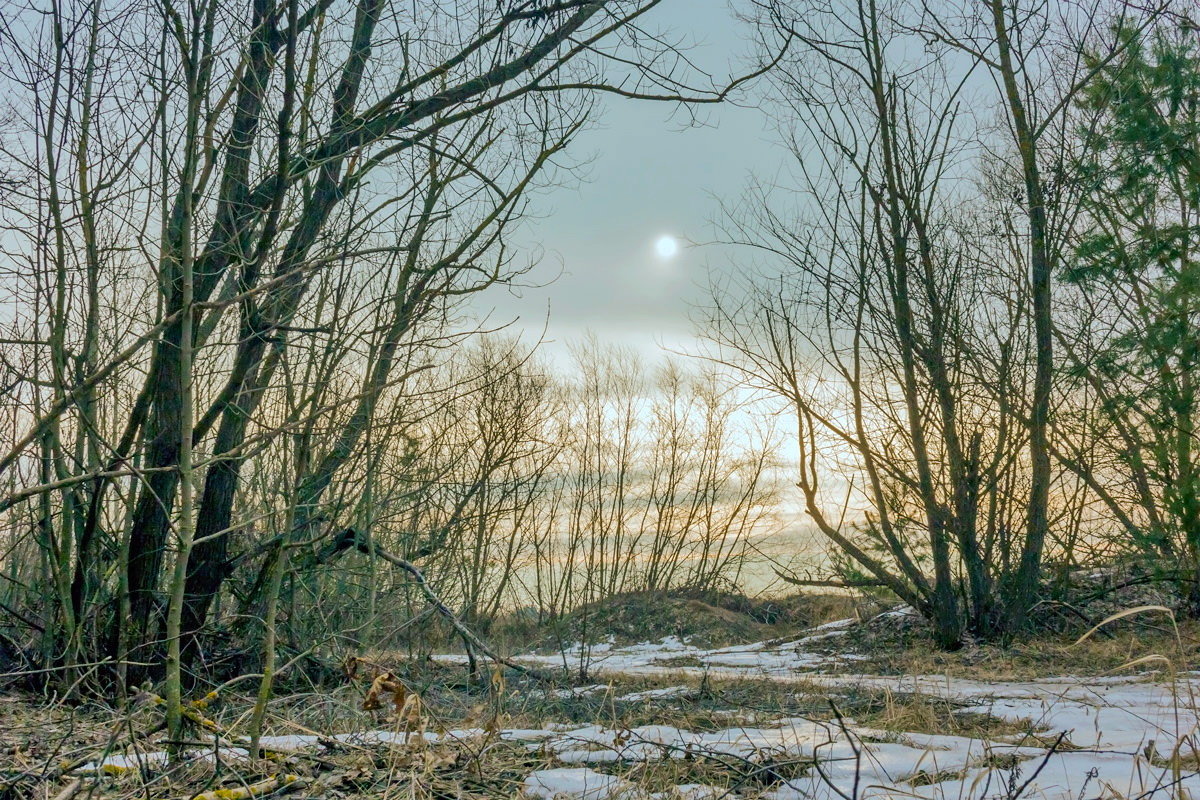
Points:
[[1038, 656], [708, 618], [33, 735], [918, 712]]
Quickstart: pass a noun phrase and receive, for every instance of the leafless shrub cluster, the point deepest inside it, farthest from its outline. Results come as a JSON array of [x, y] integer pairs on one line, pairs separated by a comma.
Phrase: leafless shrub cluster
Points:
[[528, 488]]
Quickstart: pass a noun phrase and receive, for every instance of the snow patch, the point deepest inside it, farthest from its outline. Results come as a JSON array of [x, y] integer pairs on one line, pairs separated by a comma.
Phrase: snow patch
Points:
[[576, 783]]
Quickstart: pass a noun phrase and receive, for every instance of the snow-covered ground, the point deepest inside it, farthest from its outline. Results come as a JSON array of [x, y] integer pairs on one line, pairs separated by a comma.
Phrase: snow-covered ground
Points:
[[1125, 732], [1119, 736], [1111, 737]]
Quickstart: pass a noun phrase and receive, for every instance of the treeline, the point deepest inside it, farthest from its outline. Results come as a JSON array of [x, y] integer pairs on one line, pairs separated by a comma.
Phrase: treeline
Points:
[[518, 485]]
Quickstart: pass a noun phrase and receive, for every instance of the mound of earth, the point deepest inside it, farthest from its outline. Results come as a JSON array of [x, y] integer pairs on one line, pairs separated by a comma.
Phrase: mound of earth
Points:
[[703, 618]]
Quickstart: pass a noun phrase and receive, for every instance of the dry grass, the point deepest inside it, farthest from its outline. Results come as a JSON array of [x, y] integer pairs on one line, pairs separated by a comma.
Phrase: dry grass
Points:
[[34, 738], [917, 712], [489, 767], [707, 618], [1036, 657], [727, 772]]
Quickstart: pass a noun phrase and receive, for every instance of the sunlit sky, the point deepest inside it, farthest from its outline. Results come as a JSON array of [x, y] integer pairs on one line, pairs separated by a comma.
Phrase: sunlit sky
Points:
[[649, 175]]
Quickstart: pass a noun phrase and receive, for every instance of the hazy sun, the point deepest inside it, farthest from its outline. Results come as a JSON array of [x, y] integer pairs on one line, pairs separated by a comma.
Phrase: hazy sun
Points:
[[666, 247]]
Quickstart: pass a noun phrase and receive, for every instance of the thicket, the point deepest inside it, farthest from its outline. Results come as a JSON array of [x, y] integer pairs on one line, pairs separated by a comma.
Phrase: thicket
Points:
[[245, 408], [977, 303]]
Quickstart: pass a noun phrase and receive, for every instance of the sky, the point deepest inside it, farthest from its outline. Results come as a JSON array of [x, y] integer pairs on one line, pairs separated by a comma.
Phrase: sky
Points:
[[648, 175]]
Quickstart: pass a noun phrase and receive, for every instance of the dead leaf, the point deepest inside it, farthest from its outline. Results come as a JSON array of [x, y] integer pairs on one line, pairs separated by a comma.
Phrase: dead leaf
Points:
[[386, 684], [440, 759], [410, 710]]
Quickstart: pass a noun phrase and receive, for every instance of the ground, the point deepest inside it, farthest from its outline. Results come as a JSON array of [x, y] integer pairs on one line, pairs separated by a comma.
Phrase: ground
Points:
[[850, 708]]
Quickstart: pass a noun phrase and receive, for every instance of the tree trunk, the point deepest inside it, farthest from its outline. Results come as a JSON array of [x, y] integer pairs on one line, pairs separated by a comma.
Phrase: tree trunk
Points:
[[1023, 584]]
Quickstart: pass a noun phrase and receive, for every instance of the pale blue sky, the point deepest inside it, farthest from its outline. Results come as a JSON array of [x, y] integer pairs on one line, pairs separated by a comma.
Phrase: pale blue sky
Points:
[[649, 174]]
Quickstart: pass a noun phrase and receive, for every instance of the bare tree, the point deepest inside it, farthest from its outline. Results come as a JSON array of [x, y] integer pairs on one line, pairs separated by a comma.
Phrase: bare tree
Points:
[[909, 328], [188, 179]]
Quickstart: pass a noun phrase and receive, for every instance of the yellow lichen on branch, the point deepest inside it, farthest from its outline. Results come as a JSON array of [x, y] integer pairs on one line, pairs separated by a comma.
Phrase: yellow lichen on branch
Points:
[[206, 701], [248, 791]]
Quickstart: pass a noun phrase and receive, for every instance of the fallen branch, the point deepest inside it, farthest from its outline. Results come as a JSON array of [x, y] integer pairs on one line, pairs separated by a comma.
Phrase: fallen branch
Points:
[[252, 790], [1015, 794], [831, 584], [22, 618], [363, 545], [1067, 607], [70, 790], [1164, 577], [350, 537]]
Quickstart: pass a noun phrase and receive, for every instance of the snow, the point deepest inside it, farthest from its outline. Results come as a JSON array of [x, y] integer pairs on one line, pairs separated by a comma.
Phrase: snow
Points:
[[1120, 730], [289, 742], [576, 784], [1126, 729], [581, 783], [1119, 734], [1067, 776], [1121, 713], [692, 791], [578, 691], [671, 655]]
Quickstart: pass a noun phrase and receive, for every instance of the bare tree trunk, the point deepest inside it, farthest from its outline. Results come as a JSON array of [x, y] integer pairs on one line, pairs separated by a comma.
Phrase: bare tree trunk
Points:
[[1022, 589]]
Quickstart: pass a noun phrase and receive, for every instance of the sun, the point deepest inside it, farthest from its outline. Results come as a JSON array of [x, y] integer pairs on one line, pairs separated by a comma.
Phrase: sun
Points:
[[666, 247]]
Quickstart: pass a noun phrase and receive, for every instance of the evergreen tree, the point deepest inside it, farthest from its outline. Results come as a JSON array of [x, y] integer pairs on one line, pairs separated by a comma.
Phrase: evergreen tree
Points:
[[1139, 264]]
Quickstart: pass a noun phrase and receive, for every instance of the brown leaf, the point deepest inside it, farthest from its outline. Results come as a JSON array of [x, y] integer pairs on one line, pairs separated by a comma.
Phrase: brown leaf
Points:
[[411, 711], [386, 684], [371, 701], [440, 759]]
